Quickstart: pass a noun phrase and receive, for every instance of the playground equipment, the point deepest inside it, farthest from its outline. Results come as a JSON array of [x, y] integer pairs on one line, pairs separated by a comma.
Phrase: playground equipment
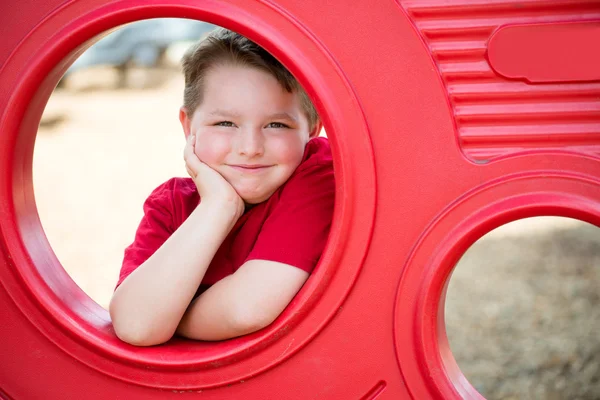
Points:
[[447, 120]]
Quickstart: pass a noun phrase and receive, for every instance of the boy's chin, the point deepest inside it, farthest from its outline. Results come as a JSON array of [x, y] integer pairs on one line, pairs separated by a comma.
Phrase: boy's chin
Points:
[[252, 201], [254, 198]]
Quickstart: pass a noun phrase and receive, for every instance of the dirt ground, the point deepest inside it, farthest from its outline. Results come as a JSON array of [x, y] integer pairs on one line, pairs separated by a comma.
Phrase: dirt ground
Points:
[[523, 306], [522, 311]]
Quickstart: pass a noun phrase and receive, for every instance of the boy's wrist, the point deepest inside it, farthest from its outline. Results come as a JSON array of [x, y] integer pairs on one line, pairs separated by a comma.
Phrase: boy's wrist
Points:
[[222, 209]]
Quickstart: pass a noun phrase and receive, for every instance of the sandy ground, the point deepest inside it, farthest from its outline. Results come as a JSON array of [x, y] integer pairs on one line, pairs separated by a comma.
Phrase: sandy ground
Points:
[[522, 312]]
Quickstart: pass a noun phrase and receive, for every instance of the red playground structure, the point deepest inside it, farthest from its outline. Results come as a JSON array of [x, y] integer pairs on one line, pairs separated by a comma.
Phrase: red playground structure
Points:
[[447, 118]]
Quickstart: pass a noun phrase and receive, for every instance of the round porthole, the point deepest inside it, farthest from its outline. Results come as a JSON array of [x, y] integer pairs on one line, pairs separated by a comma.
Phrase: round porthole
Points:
[[423, 349], [77, 324]]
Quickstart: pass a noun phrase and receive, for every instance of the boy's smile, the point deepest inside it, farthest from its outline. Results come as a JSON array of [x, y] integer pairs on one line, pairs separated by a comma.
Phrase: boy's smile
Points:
[[249, 129], [251, 168]]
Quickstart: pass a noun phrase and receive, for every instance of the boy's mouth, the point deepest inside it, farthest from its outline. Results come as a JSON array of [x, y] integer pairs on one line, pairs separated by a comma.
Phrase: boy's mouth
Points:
[[251, 168]]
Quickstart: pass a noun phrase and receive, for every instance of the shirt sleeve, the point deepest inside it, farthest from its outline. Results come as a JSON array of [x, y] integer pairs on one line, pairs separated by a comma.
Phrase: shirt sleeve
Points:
[[297, 229], [154, 229]]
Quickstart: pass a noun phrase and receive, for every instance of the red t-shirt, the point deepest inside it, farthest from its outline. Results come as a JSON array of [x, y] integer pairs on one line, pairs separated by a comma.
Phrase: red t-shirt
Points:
[[290, 227]]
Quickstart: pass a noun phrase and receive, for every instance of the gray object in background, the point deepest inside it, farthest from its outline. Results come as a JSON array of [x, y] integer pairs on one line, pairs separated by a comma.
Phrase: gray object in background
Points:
[[142, 43]]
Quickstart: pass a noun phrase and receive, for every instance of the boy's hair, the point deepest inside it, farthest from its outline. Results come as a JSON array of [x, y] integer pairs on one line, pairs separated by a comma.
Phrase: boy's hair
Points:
[[225, 47]]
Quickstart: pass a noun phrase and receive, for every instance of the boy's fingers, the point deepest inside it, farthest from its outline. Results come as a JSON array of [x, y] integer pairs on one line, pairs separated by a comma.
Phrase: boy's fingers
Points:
[[191, 160], [193, 165], [189, 148], [193, 168], [189, 171]]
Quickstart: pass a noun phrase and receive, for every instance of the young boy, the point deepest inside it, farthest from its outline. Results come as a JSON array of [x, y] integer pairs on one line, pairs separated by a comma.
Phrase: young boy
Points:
[[221, 254]]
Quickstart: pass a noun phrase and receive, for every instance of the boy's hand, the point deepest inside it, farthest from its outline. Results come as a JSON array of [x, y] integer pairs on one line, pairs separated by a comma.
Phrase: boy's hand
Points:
[[211, 186]]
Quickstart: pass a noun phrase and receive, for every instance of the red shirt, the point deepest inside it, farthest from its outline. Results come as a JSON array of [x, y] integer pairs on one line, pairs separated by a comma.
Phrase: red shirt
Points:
[[290, 227]]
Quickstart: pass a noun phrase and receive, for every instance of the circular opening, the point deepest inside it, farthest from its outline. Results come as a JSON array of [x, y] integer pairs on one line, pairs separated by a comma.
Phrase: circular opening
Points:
[[109, 135], [76, 323], [522, 310]]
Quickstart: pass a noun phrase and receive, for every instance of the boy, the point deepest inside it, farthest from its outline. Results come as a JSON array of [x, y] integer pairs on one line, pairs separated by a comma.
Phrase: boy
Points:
[[222, 253]]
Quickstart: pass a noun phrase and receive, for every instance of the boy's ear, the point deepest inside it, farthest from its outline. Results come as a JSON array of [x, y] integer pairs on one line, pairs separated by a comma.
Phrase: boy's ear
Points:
[[186, 122], [316, 130]]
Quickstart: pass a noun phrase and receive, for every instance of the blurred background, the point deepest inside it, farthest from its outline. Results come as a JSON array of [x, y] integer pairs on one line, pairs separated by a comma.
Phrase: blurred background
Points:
[[523, 304]]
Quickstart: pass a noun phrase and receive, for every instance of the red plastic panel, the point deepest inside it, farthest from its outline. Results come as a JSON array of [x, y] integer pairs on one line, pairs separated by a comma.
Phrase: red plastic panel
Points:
[[494, 115], [398, 86], [547, 52]]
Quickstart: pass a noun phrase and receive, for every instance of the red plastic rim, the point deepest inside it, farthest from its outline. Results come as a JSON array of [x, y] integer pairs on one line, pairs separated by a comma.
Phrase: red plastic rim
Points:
[[51, 300], [419, 319]]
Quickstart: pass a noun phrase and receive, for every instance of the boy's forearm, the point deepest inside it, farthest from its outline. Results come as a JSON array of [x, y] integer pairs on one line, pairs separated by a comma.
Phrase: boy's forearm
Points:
[[147, 307], [244, 302], [220, 313]]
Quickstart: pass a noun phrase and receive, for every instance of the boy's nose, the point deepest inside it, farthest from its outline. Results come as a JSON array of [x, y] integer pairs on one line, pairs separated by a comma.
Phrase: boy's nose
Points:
[[251, 142]]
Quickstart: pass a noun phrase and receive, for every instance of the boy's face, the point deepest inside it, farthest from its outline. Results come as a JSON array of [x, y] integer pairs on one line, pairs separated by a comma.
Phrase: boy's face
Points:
[[249, 129]]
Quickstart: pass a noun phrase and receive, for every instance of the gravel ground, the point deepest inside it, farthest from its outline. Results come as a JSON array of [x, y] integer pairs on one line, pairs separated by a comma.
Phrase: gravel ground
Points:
[[522, 309]]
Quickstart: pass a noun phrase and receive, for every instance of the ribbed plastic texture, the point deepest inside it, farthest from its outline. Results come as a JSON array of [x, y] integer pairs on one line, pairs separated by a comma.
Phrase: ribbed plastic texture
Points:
[[496, 116]]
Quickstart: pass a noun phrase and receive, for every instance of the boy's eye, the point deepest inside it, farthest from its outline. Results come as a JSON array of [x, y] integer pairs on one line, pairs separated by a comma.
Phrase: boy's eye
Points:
[[225, 123], [277, 125]]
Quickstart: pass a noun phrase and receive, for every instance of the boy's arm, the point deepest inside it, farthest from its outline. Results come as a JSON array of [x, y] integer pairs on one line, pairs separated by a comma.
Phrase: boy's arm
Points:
[[244, 302], [292, 238], [148, 305]]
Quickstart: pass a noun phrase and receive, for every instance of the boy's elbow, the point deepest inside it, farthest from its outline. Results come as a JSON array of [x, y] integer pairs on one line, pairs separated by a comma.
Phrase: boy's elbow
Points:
[[138, 337], [250, 319], [134, 332]]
